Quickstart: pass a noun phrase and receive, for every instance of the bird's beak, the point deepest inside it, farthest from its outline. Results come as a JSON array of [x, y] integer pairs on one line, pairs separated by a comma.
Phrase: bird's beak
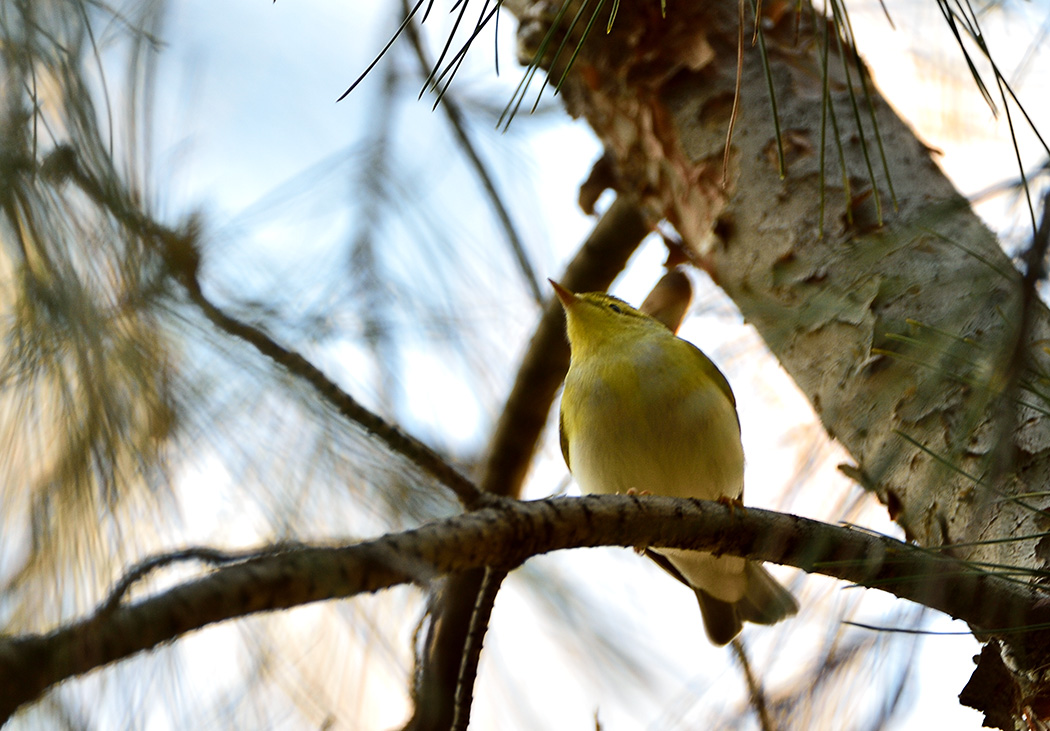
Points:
[[567, 298]]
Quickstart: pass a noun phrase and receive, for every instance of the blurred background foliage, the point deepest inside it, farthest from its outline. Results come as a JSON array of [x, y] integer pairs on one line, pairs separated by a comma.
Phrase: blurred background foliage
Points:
[[401, 250]]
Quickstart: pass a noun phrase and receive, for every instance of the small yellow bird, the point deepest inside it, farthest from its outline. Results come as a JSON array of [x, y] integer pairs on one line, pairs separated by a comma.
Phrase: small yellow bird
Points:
[[645, 410]]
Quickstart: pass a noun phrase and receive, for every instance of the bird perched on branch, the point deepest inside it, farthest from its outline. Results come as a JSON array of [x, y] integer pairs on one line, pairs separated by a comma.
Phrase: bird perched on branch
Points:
[[646, 411]]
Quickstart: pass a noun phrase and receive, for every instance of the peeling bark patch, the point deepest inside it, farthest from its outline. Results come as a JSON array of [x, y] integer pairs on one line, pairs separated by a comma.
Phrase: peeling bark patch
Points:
[[942, 523], [772, 154], [893, 504], [724, 229], [1042, 549], [797, 145], [863, 215], [825, 305], [716, 111]]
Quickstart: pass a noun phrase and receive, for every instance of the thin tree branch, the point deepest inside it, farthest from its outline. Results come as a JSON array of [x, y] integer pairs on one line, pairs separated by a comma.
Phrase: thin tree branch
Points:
[[479, 624], [503, 537], [202, 554], [393, 437]]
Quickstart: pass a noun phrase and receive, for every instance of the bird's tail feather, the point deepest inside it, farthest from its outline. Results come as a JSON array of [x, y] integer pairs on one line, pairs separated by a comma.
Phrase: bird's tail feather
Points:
[[765, 601]]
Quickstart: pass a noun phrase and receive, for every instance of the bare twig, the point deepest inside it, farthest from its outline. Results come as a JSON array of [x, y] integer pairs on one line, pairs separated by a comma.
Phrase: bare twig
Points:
[[754, 686], [479, 623], [202, 554]]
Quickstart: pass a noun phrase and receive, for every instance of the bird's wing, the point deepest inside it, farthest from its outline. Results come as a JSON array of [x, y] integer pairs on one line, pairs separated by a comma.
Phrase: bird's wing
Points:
[[563, 439], [711, 371], [666, 565]]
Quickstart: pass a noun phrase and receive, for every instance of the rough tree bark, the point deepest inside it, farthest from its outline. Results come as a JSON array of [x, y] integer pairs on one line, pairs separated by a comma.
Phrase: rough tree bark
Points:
[[905, 333]]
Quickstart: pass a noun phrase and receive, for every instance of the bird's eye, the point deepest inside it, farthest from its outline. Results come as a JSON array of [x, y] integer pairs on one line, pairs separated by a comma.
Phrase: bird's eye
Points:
[[616, 309]]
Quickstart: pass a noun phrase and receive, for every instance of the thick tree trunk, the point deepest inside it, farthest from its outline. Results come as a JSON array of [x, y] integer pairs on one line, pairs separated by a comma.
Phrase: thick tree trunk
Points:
[[907, 332]]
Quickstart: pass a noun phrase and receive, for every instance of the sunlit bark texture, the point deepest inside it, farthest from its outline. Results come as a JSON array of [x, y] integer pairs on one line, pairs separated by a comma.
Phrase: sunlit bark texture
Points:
[[870, 278]]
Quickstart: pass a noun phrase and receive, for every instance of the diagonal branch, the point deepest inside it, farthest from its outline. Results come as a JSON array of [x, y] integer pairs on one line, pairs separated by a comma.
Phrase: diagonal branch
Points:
[[503, 537], [393, 437]]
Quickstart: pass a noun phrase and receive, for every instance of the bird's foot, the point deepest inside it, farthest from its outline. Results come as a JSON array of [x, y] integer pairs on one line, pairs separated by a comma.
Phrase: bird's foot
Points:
[[733, 503]]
